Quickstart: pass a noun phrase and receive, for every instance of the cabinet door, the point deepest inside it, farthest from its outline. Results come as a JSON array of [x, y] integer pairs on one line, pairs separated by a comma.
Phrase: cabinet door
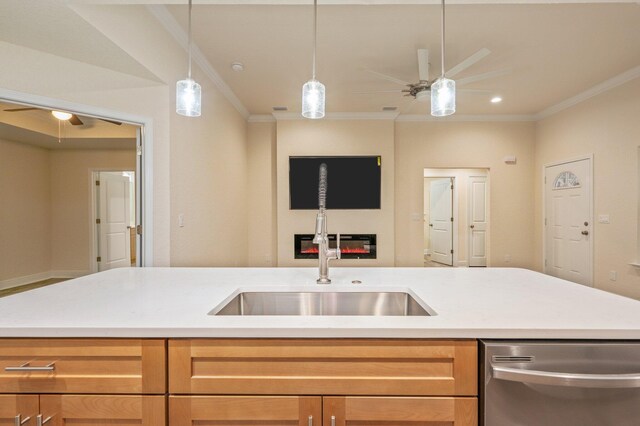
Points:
[[90, 410], [245, 410], [24, 406], [351, 411]]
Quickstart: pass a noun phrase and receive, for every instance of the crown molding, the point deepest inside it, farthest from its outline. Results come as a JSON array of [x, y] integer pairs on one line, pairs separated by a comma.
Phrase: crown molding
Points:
[[169, 23], [605, 86], [261, 118], [280, 116], [342, 2], [462, 117]]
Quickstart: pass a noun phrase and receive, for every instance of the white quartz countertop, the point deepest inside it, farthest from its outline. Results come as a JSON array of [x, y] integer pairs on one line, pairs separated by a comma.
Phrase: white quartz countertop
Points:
[[175, 302]]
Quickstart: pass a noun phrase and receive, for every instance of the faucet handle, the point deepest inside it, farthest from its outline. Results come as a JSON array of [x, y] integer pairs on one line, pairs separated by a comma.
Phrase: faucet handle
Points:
[[338, 251]]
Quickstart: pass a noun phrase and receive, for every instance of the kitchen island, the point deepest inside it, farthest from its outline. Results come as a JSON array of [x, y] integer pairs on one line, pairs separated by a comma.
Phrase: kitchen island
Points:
[[140, 346]]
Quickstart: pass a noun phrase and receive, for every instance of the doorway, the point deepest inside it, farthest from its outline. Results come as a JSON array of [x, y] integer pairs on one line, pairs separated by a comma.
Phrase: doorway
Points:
[[568, 230], [48, 162], [456, 217]]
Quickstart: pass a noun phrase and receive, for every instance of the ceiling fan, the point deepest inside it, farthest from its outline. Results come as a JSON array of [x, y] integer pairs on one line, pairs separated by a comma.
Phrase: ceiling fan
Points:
[[74, 119], [420, 91]]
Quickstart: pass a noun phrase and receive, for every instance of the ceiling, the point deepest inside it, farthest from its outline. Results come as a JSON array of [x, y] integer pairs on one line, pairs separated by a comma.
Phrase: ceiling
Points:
[[551, 51], [40, 128]]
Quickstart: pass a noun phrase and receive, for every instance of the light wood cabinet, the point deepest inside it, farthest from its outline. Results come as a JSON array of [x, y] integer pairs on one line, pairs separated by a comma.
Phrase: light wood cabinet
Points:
[[402, 411], [245, 410], [21, 407], [98, 410], [323, 367], [127, 366]]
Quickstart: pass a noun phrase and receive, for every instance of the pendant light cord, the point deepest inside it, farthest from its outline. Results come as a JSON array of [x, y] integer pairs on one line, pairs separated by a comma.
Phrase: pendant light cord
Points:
[[315, 34], [189, 42], [442, 39]]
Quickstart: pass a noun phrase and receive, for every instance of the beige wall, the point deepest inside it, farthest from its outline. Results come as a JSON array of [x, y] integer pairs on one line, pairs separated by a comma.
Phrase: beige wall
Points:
[[608, 127], [430, 144], [25, 211], [71, 203], [262, 220], [336, 137]]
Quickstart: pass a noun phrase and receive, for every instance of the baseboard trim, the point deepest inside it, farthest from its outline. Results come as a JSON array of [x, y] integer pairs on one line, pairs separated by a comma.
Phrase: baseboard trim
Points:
[[41, 276]]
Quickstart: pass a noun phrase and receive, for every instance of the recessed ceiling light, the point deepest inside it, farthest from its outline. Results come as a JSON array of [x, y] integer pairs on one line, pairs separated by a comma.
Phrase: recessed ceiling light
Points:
[[496, 100], [237, 66], [60, 115]]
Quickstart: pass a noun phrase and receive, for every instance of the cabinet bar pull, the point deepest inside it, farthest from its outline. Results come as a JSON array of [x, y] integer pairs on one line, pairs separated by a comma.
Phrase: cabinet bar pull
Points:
[[40, 422], [27, 367], [310, 420], [19, 421], [333, 420]]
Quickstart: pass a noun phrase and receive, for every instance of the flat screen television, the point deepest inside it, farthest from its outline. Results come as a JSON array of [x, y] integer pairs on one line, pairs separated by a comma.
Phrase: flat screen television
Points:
[[352, 182]]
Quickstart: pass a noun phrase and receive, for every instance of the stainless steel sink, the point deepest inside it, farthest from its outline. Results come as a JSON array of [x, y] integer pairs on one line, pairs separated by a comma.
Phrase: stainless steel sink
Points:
[[323, 303]]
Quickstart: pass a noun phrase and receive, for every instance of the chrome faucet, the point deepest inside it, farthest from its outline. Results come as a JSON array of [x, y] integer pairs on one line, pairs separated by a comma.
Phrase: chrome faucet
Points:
[[325, 254]]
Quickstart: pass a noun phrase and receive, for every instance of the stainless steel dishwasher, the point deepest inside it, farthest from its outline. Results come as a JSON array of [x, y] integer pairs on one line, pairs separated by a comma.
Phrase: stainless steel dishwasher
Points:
[[552, 383]]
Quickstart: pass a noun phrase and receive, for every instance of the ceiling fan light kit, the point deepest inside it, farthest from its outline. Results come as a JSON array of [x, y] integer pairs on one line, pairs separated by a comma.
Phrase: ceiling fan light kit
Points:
[[188, 92], [61, 115], [443, 90], [313, 92]]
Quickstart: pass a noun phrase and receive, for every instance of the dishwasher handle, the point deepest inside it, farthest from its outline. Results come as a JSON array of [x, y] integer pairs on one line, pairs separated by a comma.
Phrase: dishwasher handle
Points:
[[553, 378]]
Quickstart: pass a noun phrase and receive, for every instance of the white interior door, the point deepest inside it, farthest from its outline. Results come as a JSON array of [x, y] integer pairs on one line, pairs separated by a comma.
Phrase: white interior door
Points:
[[114, 244], [478, 220], [568, 221], [441, 223]]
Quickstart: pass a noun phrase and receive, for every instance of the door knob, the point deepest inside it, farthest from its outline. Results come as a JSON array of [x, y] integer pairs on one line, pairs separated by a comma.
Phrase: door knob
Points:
[[585, 232], [431, 224], [472, 226]]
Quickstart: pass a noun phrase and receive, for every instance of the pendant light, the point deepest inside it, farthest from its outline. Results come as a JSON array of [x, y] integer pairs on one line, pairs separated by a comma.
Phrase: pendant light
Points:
[[443, 90], [188, 92], [313, 91]]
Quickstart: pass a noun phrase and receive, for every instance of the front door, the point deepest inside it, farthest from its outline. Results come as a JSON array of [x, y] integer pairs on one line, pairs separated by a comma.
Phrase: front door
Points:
[[441, 220], [568, 221], [114, 236]]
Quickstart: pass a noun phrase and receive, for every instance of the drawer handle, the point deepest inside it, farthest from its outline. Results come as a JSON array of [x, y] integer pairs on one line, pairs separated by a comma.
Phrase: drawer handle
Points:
[[333, 420], [19, 421], [27, 367], [40, 422], [310, 420]]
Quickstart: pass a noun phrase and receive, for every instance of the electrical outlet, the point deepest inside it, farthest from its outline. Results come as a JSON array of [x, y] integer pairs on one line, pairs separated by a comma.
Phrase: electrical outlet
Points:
[[604, 218], [507, 258], [613, 276]]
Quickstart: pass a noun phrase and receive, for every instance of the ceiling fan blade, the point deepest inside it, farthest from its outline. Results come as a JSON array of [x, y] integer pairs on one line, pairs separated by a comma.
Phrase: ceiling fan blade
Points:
[[468, 62], [75, 120], [480, 77], [388, 77], [423, 64], [117, 123], [19, 109]]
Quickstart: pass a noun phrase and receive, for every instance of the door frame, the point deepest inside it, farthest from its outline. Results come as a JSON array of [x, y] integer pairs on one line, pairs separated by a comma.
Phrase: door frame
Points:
[[591, 208], [144, 153], [93, 215], [454, 197]]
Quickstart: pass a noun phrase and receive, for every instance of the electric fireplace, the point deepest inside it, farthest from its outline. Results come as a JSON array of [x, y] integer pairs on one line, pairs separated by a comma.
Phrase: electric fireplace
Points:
[[352, 246]]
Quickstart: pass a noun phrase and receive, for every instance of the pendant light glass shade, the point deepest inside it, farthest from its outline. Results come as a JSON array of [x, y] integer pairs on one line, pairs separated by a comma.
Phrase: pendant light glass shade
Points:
[[188, 96], [443, 97], [313, 99]]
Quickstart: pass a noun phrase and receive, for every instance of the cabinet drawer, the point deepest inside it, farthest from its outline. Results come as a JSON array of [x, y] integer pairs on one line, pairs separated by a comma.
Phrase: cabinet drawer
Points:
[[82, 366], [352, 411], [323, 366]]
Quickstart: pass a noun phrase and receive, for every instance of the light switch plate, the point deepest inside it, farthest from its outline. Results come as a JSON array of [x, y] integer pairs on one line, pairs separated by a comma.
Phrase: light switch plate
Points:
[[604, 218]]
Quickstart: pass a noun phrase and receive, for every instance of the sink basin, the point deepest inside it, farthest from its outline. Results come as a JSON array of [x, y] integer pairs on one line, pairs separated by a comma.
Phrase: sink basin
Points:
[[322, 303]]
